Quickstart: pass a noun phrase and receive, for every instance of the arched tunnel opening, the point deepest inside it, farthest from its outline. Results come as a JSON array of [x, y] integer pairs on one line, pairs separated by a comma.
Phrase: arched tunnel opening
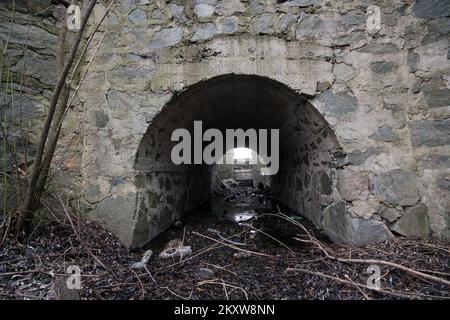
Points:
[[307, 145]]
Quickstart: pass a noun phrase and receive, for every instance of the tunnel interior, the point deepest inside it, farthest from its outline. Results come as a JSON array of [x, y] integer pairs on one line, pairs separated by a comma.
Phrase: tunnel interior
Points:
[[242, 166], [307, 145]]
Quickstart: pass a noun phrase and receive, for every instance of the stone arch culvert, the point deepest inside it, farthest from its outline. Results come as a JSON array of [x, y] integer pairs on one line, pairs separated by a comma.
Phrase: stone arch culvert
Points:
[[363, 133]]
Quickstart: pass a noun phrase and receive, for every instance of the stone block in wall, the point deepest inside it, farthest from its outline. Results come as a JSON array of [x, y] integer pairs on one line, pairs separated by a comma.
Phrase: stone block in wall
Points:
[[389, 213], [379, 48], [431, 8], [33, 36], [352, 185], [262, 24], [344, 72], [433, 161], [364, 208], [204, 32], [413, 223], [381, 67], [438, 29], [340, 226], [39, 67], [165, 38], [229, 7], [228, 25], [17, 106], [396, 187], [338, 104], [436, 94], [122, 222], [358, 157], [204, 11], [385, 134], [430, 133]]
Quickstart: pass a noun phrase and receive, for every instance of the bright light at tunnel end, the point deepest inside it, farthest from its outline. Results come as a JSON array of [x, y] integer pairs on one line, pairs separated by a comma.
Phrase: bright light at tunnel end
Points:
[[213, 153], [242, 153]]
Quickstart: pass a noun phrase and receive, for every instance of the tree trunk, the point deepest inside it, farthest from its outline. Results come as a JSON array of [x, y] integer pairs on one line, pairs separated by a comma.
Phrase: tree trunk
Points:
[[31, 202], [54, 132]]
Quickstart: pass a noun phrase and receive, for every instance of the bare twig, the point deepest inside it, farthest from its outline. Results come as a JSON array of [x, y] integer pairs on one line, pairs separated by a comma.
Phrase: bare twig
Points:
[[351, 283], [365, 261], [223, 283], [232, 246]]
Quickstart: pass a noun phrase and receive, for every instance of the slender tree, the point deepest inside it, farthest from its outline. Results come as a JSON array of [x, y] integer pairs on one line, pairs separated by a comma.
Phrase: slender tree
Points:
[[31, 200], [64, 104]]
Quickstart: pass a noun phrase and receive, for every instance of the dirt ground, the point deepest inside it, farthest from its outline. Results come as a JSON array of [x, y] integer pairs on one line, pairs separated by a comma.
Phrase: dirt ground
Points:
[[242, 251], [257, 259]]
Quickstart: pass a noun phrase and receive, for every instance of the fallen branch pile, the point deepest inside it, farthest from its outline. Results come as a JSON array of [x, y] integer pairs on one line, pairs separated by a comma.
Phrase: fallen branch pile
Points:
[[282, 259]]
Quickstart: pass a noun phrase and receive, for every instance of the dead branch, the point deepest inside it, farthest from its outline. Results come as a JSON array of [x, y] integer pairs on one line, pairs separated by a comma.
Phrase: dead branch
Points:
[[352, 283], [397, 266], [140, 282], [232, 246], [177, 295], [235, 243], [222, 283], [357, 287], [365, 261], [203, 251], [273, 238]]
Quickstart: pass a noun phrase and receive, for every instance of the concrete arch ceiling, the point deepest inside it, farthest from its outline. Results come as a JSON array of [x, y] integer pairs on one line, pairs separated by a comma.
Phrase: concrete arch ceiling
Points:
[[231, 102]]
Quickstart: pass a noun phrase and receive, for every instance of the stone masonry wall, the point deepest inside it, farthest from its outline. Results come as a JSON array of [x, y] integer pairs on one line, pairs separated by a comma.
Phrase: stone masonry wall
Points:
[[384, 94], [28, 40]]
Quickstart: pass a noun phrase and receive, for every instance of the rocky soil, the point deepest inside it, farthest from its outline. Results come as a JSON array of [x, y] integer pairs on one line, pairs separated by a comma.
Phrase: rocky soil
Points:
[[269, 256]]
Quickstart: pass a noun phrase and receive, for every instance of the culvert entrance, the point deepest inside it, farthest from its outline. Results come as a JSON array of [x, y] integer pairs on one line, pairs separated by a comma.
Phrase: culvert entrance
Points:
[[304, 181]]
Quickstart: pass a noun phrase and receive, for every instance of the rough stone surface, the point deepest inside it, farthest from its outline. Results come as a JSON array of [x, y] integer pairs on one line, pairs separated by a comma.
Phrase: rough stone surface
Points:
[[413, 60], [262, 24], [38, 37], [309, 27], [339, 103], [300, 3], [41, 68], [358, 157], [389, 213], [229, 7], [137, 16], [436, 95], [364, 208], [432, 8], [287, 21], [344, 72], [414, 222], [354, 18], [430, 133], [346, 101], [382, 67], [385, 134], [203, 10], [177, 12], [352, 185], [230, 25], [437, 29], [379, 48], [166, 38], [341, 227], [396, 187], [204, 32]]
